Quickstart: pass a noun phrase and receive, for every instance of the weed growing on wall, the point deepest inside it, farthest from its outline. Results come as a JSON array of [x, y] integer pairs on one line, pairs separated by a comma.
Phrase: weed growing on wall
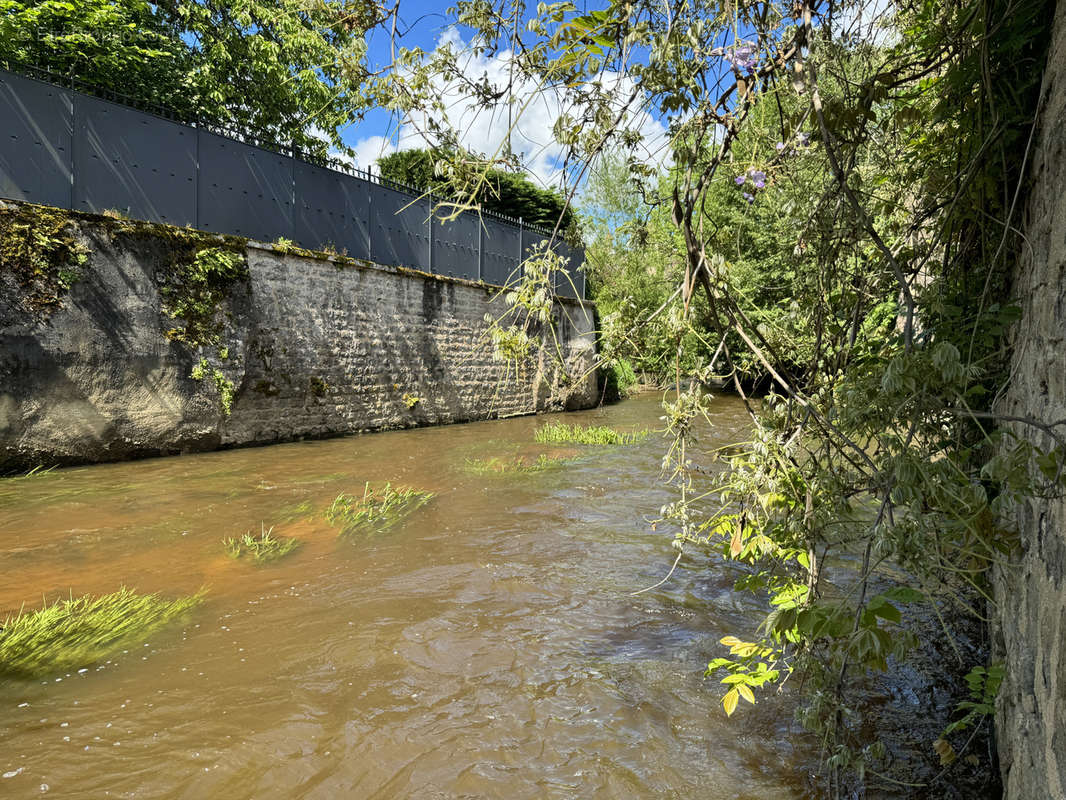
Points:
[[196, 290], [222, 384], [194, 296]]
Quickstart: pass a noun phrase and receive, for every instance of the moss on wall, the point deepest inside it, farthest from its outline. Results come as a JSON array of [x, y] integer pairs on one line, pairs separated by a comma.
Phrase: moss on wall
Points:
[[40, 251], [196, 273]]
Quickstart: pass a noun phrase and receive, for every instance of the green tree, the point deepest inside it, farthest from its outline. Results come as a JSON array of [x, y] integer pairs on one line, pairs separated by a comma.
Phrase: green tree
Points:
[[508, 193], [284, 68]]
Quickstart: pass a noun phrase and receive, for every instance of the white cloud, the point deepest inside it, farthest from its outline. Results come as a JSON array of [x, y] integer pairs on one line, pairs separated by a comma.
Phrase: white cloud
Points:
[[527, 121], [870, 21], [370, 149]]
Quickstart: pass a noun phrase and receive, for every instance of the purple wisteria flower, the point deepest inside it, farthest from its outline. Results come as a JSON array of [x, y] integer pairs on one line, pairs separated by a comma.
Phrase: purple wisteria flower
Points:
[[779, 146], [757, 179], [803, 138], [742, 56]]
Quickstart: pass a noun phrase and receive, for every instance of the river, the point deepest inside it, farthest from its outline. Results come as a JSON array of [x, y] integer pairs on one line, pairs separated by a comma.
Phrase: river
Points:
[[488, 647]]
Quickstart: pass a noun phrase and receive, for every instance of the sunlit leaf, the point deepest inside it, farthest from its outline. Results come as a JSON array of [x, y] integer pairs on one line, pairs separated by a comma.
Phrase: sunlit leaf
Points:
[[729, 702]]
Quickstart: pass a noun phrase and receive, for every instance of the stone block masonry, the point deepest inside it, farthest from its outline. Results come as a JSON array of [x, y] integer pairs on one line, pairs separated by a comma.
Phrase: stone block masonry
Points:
[[304, 345]]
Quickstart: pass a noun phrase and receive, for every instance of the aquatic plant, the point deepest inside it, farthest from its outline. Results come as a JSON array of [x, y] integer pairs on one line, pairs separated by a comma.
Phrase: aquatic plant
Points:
[[516, 465], [262, 549], [377, 510], [557, 432], [37, 472], [80, 631], [293, 512]]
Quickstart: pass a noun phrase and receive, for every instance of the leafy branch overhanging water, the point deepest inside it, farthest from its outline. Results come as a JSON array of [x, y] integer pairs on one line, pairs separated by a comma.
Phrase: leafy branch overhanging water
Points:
[[837, 224]]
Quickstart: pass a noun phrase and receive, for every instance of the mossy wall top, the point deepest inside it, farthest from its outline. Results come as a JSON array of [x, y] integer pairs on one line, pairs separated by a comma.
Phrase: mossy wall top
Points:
[[121, 339]]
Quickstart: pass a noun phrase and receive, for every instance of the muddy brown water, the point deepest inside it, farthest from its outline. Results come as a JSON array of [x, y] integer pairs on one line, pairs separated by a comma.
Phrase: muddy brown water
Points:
[[487, 647]]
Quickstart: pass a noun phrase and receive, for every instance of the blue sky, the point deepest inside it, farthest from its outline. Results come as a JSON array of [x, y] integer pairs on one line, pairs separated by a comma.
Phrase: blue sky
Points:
[[483, 130], [424, 22]]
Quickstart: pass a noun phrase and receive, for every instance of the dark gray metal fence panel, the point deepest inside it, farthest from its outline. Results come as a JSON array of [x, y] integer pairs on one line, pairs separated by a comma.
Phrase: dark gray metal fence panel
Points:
[[244, 190], [70, 150], [455, 247], [577, 264], [36, 151], [500, 243], [140, 165], [332, 210], [568, 282], [531, 240], [399, 234]]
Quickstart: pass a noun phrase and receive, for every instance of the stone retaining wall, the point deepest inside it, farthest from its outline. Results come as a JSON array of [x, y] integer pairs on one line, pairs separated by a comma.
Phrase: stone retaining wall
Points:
[[311, 345]]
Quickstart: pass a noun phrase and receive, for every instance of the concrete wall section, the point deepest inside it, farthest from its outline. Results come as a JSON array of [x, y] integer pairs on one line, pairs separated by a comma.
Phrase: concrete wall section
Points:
[[1030, 609], [313, 348]]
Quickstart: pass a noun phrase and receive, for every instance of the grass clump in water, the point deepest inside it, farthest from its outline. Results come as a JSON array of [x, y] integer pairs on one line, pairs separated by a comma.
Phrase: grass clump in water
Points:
[[262, 549], [377, 510], [37, 472], [559, 432], [82, 631], [294, 512], [519, 465]]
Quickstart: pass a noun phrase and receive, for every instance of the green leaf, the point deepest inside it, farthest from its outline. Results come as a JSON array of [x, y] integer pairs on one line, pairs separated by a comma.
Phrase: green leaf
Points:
[[885, 610], [903, 594]]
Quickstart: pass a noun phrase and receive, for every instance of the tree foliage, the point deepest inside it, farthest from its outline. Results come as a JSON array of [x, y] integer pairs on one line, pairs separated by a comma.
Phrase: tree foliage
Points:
[[839, 216], [282, 68], [509, 193]]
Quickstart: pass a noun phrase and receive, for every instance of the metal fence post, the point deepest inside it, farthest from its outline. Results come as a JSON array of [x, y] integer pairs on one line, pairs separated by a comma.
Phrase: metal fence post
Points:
[[369, 214], [73, 146], [480, 249], [429, 222]]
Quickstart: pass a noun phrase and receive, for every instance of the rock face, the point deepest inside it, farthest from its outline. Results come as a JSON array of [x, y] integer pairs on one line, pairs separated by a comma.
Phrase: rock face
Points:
[[1030, 611], [309, 346]]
